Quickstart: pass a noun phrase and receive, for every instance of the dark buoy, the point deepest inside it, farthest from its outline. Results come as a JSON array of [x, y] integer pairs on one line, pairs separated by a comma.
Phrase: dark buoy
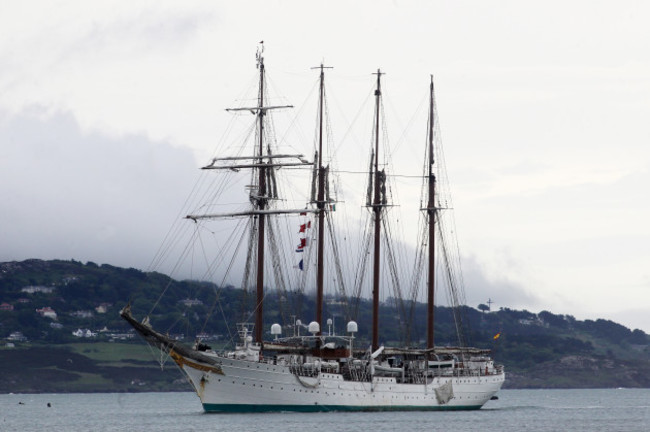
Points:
[[49, 405], [21, 403]]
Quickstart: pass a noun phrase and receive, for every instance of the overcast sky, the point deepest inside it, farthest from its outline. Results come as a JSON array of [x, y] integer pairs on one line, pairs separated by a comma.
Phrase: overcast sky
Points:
[[108, 108]]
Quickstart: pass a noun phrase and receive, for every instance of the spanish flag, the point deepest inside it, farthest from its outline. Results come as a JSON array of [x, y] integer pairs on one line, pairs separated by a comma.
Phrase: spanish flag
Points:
[[497, 336]]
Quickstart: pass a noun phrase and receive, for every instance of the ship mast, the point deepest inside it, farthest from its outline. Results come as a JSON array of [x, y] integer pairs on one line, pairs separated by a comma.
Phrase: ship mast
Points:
[[265, 163], [320, 204], [260, 204], [377, 209], [431, 213]]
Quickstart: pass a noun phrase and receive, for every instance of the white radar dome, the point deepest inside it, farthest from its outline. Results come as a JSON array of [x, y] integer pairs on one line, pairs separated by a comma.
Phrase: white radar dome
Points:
[[352, 327], [314, 327]]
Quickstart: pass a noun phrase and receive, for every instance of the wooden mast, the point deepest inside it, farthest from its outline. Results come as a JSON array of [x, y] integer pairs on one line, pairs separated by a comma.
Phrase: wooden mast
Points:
[[261, 204], [376, 208], [320, 204], [431, 212], [263, 161]]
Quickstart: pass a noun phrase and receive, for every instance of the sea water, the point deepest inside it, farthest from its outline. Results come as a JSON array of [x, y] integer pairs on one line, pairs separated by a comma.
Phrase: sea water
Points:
[[515, 410]]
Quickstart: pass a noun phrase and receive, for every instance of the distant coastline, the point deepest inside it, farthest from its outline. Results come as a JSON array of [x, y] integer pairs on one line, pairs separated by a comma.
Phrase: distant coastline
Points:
[[60, 332]]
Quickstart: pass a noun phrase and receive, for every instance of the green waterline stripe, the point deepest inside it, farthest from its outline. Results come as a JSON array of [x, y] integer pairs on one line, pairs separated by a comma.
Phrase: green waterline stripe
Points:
[[254, 408]]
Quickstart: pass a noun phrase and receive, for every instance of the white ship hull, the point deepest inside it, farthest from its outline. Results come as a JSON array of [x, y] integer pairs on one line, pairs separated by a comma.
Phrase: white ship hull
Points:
[[250, 386]]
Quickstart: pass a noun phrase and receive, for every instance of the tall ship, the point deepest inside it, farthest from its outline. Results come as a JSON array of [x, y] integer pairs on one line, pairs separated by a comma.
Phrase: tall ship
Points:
[[278, 368]]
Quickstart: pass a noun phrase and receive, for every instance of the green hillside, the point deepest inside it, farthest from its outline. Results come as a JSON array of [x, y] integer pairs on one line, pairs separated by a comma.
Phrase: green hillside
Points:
[[42, 303]]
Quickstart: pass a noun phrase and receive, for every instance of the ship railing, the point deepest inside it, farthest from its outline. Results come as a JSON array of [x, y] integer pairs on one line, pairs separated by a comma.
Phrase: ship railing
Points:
[[475, 372], [355, 371], [305, 369]]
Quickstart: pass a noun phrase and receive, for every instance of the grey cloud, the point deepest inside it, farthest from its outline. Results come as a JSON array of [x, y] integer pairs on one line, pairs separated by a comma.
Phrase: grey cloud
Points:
[[505, 293], [67, 194]]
